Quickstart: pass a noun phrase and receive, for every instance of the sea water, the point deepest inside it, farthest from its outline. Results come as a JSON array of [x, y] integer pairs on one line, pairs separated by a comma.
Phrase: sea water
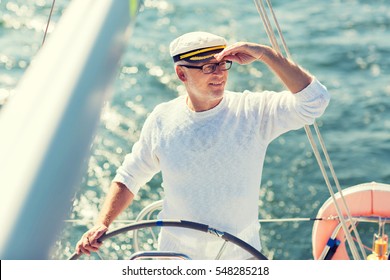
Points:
[[345, 44]]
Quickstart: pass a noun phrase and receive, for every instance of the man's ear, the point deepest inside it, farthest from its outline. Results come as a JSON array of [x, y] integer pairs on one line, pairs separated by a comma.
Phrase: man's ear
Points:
[[180, 73]]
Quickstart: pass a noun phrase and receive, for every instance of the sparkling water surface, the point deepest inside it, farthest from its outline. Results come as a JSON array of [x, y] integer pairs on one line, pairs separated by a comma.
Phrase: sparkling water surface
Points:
[[345, 44]]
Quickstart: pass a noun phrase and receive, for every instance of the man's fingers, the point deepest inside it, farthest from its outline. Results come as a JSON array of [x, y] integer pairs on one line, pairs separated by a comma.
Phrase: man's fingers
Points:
[[85, 251], [95, 237], [89, 241], [81, 249], [96, 244]]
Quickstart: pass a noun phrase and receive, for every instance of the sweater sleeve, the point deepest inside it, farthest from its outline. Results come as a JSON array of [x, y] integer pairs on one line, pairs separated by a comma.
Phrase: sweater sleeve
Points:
[[141, 164], [284, 111]]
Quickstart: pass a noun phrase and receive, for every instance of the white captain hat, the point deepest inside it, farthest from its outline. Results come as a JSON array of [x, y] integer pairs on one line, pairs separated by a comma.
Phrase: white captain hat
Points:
[[196, 46]]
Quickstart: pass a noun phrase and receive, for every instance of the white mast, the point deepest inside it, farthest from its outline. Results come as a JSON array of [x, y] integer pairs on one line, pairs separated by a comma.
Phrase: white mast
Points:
[[48, 126]]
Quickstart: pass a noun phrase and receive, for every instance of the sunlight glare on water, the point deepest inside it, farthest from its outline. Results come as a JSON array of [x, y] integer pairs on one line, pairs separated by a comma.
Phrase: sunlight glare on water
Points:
[[343, 43]]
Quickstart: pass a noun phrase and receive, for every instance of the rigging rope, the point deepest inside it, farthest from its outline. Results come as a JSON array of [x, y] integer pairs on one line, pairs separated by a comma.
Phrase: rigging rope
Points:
[[271, 220], [48, 21], [271, 35]]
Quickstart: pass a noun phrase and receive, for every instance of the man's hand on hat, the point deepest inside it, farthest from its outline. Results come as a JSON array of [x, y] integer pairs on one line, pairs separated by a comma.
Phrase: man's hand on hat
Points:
[[242, 52]]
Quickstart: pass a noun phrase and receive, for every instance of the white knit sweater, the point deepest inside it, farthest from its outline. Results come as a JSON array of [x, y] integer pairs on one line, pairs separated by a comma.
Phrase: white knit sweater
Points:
[[212, 162]]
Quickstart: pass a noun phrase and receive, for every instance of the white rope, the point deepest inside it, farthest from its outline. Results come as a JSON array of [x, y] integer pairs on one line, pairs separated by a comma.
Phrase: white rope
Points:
[[279, 29], [267, 25], [344, 203], [261, 9]]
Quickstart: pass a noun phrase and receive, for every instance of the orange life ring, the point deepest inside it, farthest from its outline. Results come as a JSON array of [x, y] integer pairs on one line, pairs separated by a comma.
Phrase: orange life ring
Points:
[[370, 199]]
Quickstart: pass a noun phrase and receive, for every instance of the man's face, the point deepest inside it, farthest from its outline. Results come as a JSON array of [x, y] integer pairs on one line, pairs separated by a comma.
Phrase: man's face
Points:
[[205, 86]]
